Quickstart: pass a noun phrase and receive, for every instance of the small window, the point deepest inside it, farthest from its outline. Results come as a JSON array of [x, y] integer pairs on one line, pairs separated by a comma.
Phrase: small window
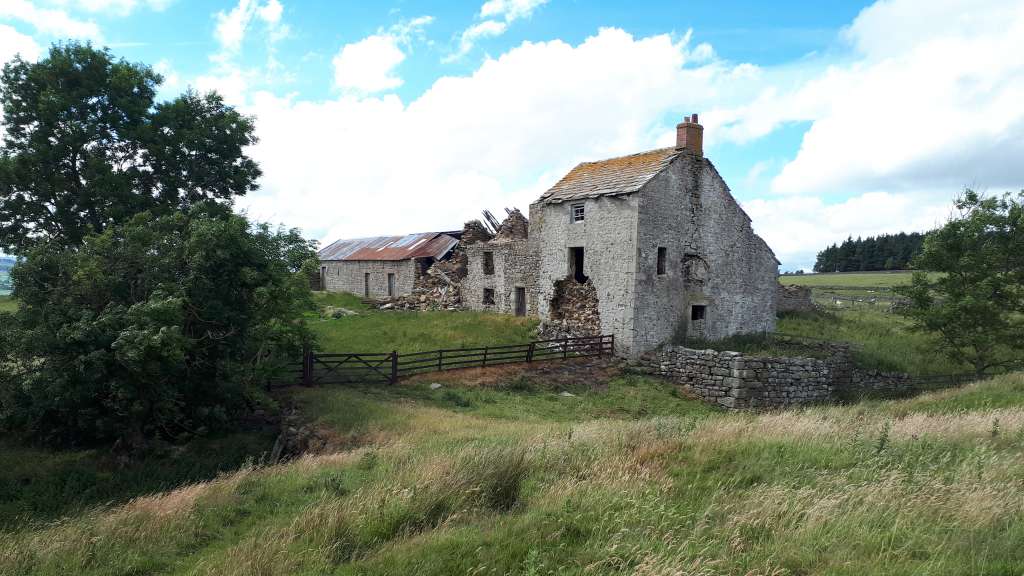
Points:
[[488, 296], [577, 213], [488, 263], [697, 312], [662, 252]]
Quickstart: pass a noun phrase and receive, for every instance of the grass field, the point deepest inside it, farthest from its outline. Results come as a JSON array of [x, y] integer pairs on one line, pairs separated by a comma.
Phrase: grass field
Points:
[[851, 279], [7, 304], [384, 331], [503, 481]]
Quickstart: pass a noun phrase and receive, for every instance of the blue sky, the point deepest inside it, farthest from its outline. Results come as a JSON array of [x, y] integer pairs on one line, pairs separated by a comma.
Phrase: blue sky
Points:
[[827, 119]]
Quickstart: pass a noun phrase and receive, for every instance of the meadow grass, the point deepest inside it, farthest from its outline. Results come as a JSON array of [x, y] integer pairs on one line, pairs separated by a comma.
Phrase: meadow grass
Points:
[[886, 341], [386, 330], [850, 279], [8, 304], [926, 485]]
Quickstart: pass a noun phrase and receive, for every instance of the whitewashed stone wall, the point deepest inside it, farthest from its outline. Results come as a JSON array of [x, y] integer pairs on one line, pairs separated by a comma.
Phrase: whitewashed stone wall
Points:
[[347, 276]]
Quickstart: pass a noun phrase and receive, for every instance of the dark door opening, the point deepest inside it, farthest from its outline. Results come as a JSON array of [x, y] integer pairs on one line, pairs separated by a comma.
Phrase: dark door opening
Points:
[[576, 264], [697, 312], [323, 278], [366, 284], [391, 285], [520, 301]]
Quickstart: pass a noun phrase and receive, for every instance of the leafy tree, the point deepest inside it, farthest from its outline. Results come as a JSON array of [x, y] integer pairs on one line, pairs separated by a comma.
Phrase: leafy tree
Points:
[[159, 327], [85, 146], [976, 303]]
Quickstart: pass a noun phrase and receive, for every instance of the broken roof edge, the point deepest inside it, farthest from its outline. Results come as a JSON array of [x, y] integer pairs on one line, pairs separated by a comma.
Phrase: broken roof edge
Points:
[[390, 248]]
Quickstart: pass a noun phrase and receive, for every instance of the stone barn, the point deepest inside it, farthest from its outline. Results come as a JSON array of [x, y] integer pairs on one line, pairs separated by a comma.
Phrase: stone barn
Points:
[[383, 266], [647, 247]]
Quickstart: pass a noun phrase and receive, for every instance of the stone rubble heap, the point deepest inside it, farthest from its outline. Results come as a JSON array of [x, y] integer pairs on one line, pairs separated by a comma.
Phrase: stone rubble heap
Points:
[[574, 311], [793, 299]]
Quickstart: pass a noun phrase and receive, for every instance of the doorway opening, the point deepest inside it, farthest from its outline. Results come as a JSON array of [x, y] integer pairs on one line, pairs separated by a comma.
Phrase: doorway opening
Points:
[[576, 264]]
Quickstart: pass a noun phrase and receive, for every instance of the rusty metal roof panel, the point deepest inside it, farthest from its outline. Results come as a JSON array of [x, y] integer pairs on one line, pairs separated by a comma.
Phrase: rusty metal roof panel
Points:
[[622, 175], [390, 248]]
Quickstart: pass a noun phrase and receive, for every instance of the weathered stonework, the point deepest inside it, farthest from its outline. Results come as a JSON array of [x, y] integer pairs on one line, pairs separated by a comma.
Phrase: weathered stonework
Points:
[[737, 381], [793, 299], [513, 267], [350, 276]]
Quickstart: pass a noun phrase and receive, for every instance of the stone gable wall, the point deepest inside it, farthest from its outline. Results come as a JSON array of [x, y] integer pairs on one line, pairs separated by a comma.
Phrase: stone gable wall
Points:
[[514, 267]]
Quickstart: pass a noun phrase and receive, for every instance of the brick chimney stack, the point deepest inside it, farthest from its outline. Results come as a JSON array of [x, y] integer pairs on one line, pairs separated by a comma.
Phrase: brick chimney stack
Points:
[[690, 135]]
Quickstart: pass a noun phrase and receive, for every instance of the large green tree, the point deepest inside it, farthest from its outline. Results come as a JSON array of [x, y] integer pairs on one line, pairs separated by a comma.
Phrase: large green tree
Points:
[[974, 298], [86, 145], [158, 327]]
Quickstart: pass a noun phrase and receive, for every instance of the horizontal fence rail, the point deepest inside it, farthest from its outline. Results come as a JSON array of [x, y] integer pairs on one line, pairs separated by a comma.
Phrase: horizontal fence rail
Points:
[[387, 367]]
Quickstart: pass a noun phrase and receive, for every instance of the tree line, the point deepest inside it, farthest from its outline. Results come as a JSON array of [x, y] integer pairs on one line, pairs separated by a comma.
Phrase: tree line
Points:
[[871, 254]]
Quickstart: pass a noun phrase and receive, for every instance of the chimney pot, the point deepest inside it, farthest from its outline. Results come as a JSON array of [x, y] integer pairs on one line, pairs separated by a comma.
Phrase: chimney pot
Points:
[[690, 135]]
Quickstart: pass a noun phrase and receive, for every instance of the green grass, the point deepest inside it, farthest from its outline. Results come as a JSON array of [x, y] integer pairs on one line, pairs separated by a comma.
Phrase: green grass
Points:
[[39, 485], [384, 331], [886, 340], [624, 478], [850, 279], [7, 304]]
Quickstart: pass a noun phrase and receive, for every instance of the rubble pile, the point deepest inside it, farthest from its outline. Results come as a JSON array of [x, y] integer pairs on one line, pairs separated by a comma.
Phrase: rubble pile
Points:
[[514, 227], [574, 311], [474, 231]]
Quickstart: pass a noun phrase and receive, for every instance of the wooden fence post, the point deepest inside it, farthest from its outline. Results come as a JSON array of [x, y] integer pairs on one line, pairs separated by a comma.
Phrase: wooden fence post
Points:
[[394, 366], [485, 357], [440, 360], [307, 367], [529, 352], [565, 348]]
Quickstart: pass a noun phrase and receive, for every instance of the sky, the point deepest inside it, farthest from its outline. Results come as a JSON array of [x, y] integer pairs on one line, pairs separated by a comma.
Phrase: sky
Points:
[[827, 119]]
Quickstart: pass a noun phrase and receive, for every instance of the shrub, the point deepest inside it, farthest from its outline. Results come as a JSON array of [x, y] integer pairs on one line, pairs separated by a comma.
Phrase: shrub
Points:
[[159, 327]]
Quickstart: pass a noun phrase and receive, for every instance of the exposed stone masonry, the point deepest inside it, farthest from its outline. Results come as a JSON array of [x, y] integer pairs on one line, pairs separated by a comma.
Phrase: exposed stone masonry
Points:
[[737, 381], [574, 311], [793, 299]]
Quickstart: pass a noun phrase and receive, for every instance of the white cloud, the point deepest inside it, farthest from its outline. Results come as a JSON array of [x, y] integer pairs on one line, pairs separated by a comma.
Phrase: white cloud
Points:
[[359, 165], [116, 7], [14, 43], [930, 98], [368, 66], [497, 15], [798, 227], [49, 21], [233, 25]]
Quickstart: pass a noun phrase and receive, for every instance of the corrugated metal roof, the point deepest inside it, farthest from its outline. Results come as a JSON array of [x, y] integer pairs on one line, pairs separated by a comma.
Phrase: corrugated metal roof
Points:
[[622, 175], [421, 245]]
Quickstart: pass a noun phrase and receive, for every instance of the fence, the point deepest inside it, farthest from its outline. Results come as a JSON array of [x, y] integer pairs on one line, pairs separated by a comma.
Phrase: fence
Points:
[[387, 367]]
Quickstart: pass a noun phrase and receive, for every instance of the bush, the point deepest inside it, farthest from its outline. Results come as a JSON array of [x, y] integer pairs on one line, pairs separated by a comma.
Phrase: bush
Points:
[[156, 328]]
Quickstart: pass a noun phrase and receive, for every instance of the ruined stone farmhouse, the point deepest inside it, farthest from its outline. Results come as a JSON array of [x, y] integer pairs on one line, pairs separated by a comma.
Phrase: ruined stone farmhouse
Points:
[[649, 247]]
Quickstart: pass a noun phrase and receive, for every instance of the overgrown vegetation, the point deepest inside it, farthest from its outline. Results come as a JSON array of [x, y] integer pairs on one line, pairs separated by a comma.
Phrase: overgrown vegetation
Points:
[[160, 328], [975, 308], [432, 488]]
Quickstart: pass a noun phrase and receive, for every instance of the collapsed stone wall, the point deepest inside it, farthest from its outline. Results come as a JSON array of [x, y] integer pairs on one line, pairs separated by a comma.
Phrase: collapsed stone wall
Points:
[[738, 381], [793, 299], [574, 311]]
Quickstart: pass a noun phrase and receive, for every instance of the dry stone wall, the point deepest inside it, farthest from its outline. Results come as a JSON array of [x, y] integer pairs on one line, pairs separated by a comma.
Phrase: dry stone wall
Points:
[[350, 276], [793, 299], [737, 381]]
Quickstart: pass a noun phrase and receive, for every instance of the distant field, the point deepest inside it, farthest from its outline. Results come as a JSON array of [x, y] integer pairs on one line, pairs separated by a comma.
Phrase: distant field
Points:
[[7, 304], [851, 279]]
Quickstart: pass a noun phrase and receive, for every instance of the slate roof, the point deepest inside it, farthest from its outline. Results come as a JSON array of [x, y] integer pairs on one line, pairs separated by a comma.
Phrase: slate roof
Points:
[[622, 175], [422, 245]]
